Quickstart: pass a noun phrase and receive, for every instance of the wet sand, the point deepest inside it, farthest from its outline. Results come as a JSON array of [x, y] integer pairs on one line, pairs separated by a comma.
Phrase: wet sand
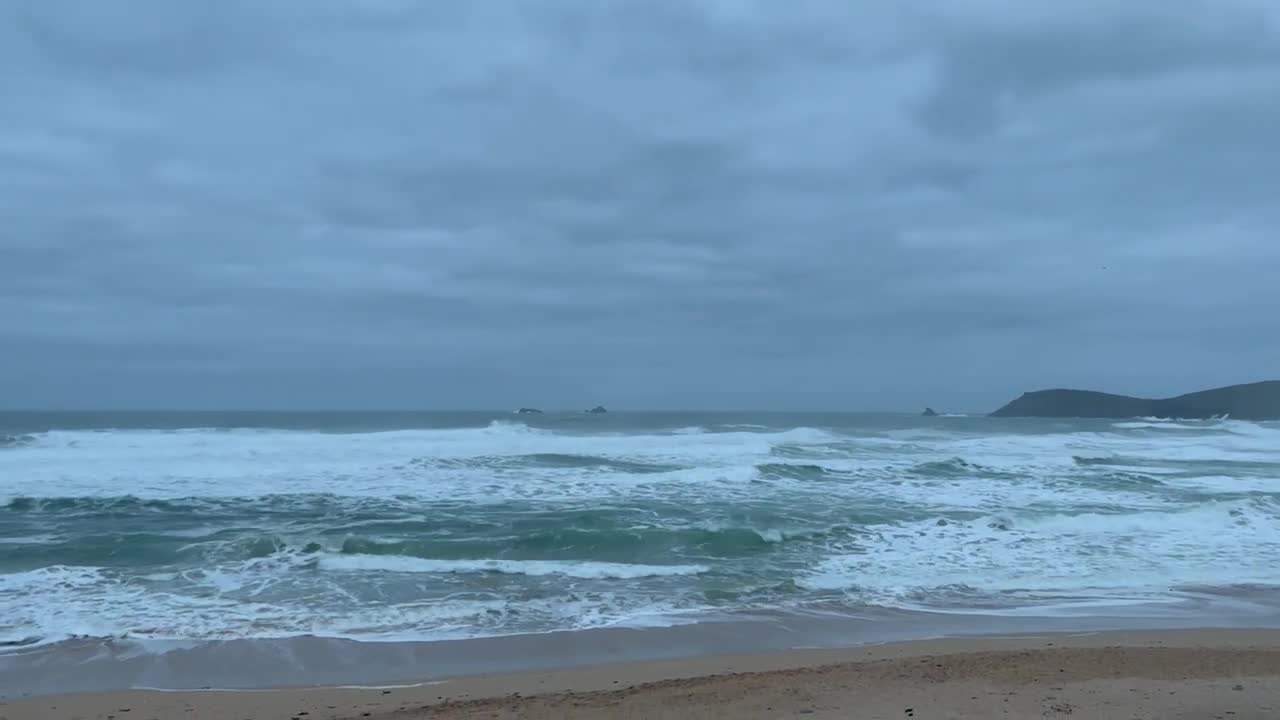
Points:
[[110, 664], [1226, 674]]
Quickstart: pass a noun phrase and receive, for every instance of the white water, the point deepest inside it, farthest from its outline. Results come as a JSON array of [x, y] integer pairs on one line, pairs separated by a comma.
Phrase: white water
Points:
[[955, 515], [534, 568]]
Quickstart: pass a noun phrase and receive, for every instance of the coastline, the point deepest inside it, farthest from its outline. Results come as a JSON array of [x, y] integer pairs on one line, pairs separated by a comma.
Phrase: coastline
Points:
[[112, 664], [670, 568], [1169, 673]]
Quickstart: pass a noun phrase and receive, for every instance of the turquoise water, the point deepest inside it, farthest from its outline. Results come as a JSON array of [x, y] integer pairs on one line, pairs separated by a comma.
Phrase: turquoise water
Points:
[[380, 526]]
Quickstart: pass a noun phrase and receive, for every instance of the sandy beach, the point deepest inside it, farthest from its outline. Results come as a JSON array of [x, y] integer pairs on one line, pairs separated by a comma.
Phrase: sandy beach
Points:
[[1142, 674]]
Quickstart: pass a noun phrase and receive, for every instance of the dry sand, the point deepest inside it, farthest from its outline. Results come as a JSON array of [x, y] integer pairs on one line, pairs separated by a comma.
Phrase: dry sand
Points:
[[1160, 675]]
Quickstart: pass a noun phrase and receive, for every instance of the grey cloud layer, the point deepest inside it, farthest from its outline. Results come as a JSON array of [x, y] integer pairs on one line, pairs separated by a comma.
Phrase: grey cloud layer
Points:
[[658, 203]]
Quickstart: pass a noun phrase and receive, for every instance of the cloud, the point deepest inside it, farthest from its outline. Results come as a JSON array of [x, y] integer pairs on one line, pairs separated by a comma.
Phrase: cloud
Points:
[[650, 204]]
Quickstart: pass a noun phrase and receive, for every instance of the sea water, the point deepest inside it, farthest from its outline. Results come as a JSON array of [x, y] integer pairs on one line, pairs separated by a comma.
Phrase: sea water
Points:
[[400, 526]]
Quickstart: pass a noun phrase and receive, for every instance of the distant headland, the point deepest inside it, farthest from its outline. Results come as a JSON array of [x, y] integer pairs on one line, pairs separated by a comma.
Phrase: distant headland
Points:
[[1252, 401]]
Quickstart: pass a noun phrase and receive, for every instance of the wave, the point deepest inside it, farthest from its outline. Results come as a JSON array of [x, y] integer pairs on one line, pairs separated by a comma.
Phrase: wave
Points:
[[1220, 425], [793, 471], [479, 465], [566, 460], [1088, 461], [13, 441], [515, 426], [502, 527], [239, 438], [98, 505], [131, 506], [550, 460], [535, 568], [107, 437], [612, 543], [955, 467], [59, 602], [1129, 481], [1267, 430], [1162, 425], [1044, 554], [691, 430], [128, 532]]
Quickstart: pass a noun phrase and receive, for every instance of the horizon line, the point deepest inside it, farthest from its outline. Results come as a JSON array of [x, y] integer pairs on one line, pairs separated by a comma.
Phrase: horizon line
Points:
[[500, 411]]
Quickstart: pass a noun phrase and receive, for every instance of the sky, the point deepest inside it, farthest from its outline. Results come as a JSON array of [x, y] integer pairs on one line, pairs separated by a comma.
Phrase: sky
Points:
[[728, 204]]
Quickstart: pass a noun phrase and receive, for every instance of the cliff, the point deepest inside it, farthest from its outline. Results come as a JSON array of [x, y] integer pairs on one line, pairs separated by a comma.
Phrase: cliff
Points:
[[1254, 401]]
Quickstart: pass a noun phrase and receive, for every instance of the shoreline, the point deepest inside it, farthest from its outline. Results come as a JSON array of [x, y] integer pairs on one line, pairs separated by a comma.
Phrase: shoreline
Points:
[[1172, 672], [110, 664]]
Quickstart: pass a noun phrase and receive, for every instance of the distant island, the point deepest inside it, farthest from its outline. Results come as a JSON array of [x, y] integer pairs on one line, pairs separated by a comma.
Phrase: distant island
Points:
[[1252, 401], [528, 411], [597, 410]]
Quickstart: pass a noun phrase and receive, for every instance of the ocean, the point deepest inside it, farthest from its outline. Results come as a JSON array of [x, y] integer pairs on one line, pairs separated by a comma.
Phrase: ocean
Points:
[[189, 528]]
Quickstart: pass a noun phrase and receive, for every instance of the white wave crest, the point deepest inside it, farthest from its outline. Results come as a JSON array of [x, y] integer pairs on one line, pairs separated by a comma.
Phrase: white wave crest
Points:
[[450, 463], [567, 568], [1158, 425], [1223, 543]]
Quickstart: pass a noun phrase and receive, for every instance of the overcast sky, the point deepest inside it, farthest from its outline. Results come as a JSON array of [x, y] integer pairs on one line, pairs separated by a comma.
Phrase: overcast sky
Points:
[[646, 204]]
